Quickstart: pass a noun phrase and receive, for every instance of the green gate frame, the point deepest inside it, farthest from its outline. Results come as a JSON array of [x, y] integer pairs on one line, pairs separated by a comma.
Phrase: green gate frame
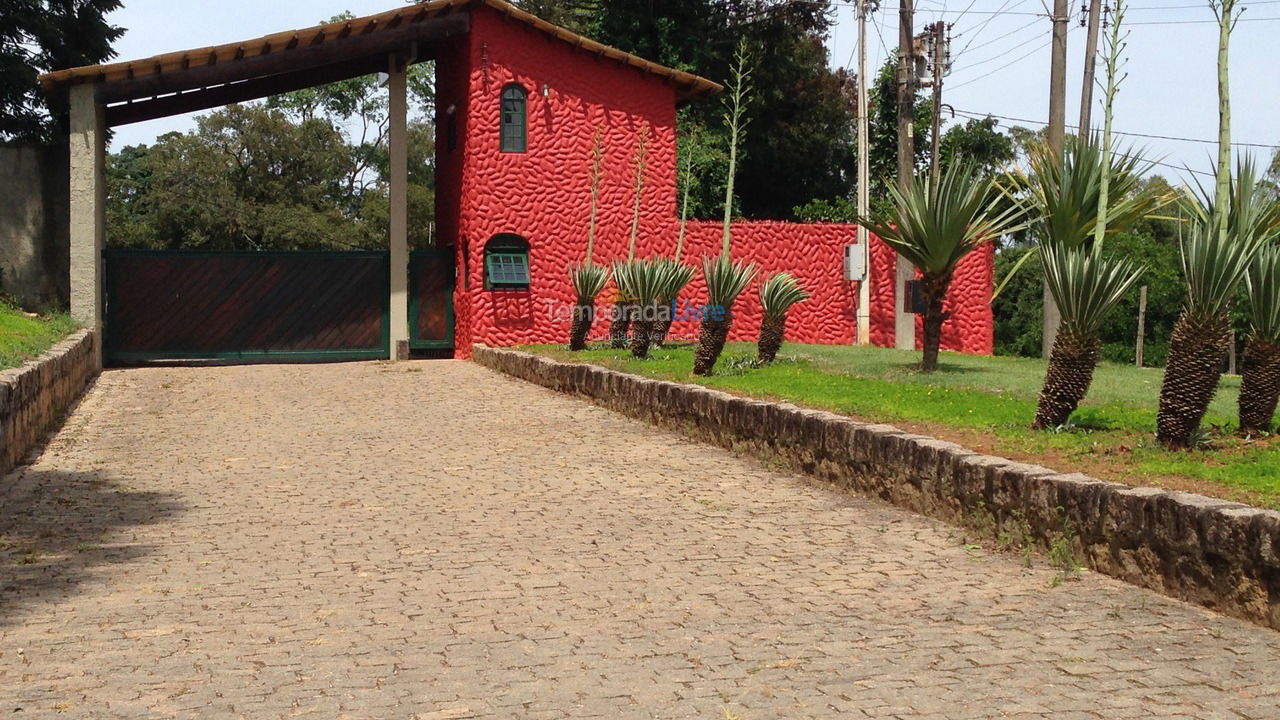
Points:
[[382, 352], [415, 302]]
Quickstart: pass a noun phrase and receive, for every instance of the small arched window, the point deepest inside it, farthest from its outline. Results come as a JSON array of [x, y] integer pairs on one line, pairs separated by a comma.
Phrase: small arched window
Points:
[[506, 263], [514, 126]]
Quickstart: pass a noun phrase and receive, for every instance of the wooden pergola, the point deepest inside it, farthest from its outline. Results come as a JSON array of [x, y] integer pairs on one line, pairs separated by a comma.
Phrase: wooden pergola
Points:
[[109, 95]]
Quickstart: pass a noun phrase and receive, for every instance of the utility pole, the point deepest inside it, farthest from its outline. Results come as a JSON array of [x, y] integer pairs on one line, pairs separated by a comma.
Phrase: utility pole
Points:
[[904, 325], [1142, 325], [1058, 78], [941, 51], [1052, 317], [1090, 59], [865, 7]]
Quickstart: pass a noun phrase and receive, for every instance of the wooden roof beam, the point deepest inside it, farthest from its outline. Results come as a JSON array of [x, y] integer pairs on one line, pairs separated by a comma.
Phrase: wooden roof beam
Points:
[[303, 58]]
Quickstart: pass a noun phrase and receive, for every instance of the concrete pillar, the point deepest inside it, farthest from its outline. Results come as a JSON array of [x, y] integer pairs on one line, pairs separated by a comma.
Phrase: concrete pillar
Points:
[[88, 204], [904, 321], [398, 108]]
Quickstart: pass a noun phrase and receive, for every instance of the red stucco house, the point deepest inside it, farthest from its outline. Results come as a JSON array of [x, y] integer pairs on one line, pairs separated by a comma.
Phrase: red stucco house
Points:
[[540, 193], [518, 104]]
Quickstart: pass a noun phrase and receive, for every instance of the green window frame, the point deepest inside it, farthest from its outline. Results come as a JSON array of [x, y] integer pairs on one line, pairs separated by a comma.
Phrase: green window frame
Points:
[[514, 128], [507, 270]]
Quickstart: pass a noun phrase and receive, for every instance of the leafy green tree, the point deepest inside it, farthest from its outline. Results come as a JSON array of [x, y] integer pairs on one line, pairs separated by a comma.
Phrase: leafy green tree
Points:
[[38, 36], [246, 178]]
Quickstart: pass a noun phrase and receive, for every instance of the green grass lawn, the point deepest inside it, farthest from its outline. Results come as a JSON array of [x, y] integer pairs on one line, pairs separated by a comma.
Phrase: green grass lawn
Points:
[[23, 337], [987, 403]]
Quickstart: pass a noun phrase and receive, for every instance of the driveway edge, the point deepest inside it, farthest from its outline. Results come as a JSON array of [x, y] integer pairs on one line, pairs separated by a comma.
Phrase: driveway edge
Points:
[[1222, 555]]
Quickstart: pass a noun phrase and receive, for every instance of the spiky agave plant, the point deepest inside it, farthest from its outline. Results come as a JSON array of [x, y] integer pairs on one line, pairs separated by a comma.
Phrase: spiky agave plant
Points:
[[1066, 197], [624, 306], [588, 281], [1086, 285], [935, 228], [725, 282], [677, 278], [1216, 256], [648, 280], [726, 279], [777, 295], [1260, 380]]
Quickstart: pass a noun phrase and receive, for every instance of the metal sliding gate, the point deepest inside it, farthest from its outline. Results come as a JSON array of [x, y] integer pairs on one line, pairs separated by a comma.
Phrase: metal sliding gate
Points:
[[299, 305]]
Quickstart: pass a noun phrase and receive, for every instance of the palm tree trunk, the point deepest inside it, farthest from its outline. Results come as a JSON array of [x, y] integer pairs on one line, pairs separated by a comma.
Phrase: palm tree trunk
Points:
[[661, 324], [934, 290], [1071, 366], [772, 329], [642, 332], [1197, 350], [711, 338], [1259, 386], [582, 313], [620, 325]]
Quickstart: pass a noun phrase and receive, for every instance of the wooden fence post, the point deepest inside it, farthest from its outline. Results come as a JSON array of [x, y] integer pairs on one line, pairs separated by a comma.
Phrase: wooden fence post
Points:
[[1142, 323]]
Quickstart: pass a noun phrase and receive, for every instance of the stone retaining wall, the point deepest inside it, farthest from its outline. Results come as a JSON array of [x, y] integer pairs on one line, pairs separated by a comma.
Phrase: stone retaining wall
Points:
[[34, 397], [1223, 555]]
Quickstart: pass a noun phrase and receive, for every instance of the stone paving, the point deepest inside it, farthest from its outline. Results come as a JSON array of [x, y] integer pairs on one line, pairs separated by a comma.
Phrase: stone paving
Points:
[[432, 540]]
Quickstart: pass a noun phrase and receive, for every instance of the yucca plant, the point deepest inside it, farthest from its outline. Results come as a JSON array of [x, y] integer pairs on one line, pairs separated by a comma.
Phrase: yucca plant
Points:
[[934, 228], [1216, 256], [588, 280], [680, 275], [1086, 285], [625, 308], [648, 280], [726, 279], [1068, 200], [677, 278], [1260, 379], [777, 295], [725, 282]]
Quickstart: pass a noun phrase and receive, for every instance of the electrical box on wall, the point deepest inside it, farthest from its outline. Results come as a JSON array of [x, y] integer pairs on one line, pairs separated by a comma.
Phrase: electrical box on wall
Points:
[[855, 263]]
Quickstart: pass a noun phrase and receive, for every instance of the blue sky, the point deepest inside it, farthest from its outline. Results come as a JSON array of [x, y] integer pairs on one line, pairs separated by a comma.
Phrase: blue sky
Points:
[[1171, 88]]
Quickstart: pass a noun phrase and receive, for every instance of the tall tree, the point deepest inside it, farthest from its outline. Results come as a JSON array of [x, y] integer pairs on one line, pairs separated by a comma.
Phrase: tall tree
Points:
[[39, 36]]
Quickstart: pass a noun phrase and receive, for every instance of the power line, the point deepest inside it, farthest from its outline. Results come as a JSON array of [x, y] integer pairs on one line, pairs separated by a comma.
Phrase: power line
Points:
[[1035, 21], [1004, 54], [1198, 22], [971, 113], [1015, 61]]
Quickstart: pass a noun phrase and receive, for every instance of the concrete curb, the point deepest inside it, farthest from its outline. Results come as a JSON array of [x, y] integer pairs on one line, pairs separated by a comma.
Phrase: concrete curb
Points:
[[1219, 554], [34, 397]]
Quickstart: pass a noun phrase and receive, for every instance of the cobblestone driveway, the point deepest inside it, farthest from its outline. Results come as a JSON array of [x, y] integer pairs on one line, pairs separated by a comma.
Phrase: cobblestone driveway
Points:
[[432, 540]]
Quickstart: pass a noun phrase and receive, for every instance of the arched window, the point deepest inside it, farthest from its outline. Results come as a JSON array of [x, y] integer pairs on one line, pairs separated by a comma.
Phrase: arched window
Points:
[[514, 127], [506, 263]]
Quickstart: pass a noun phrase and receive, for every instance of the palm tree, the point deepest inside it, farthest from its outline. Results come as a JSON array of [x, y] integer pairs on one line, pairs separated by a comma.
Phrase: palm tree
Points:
[[1216, 255], [1260, 381], [1065, 197], [587, 279], [934, 228], [777, 295]]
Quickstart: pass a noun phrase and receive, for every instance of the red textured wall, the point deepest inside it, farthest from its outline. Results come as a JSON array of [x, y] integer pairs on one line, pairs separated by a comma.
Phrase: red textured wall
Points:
[[543, 196], [971, 327]]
